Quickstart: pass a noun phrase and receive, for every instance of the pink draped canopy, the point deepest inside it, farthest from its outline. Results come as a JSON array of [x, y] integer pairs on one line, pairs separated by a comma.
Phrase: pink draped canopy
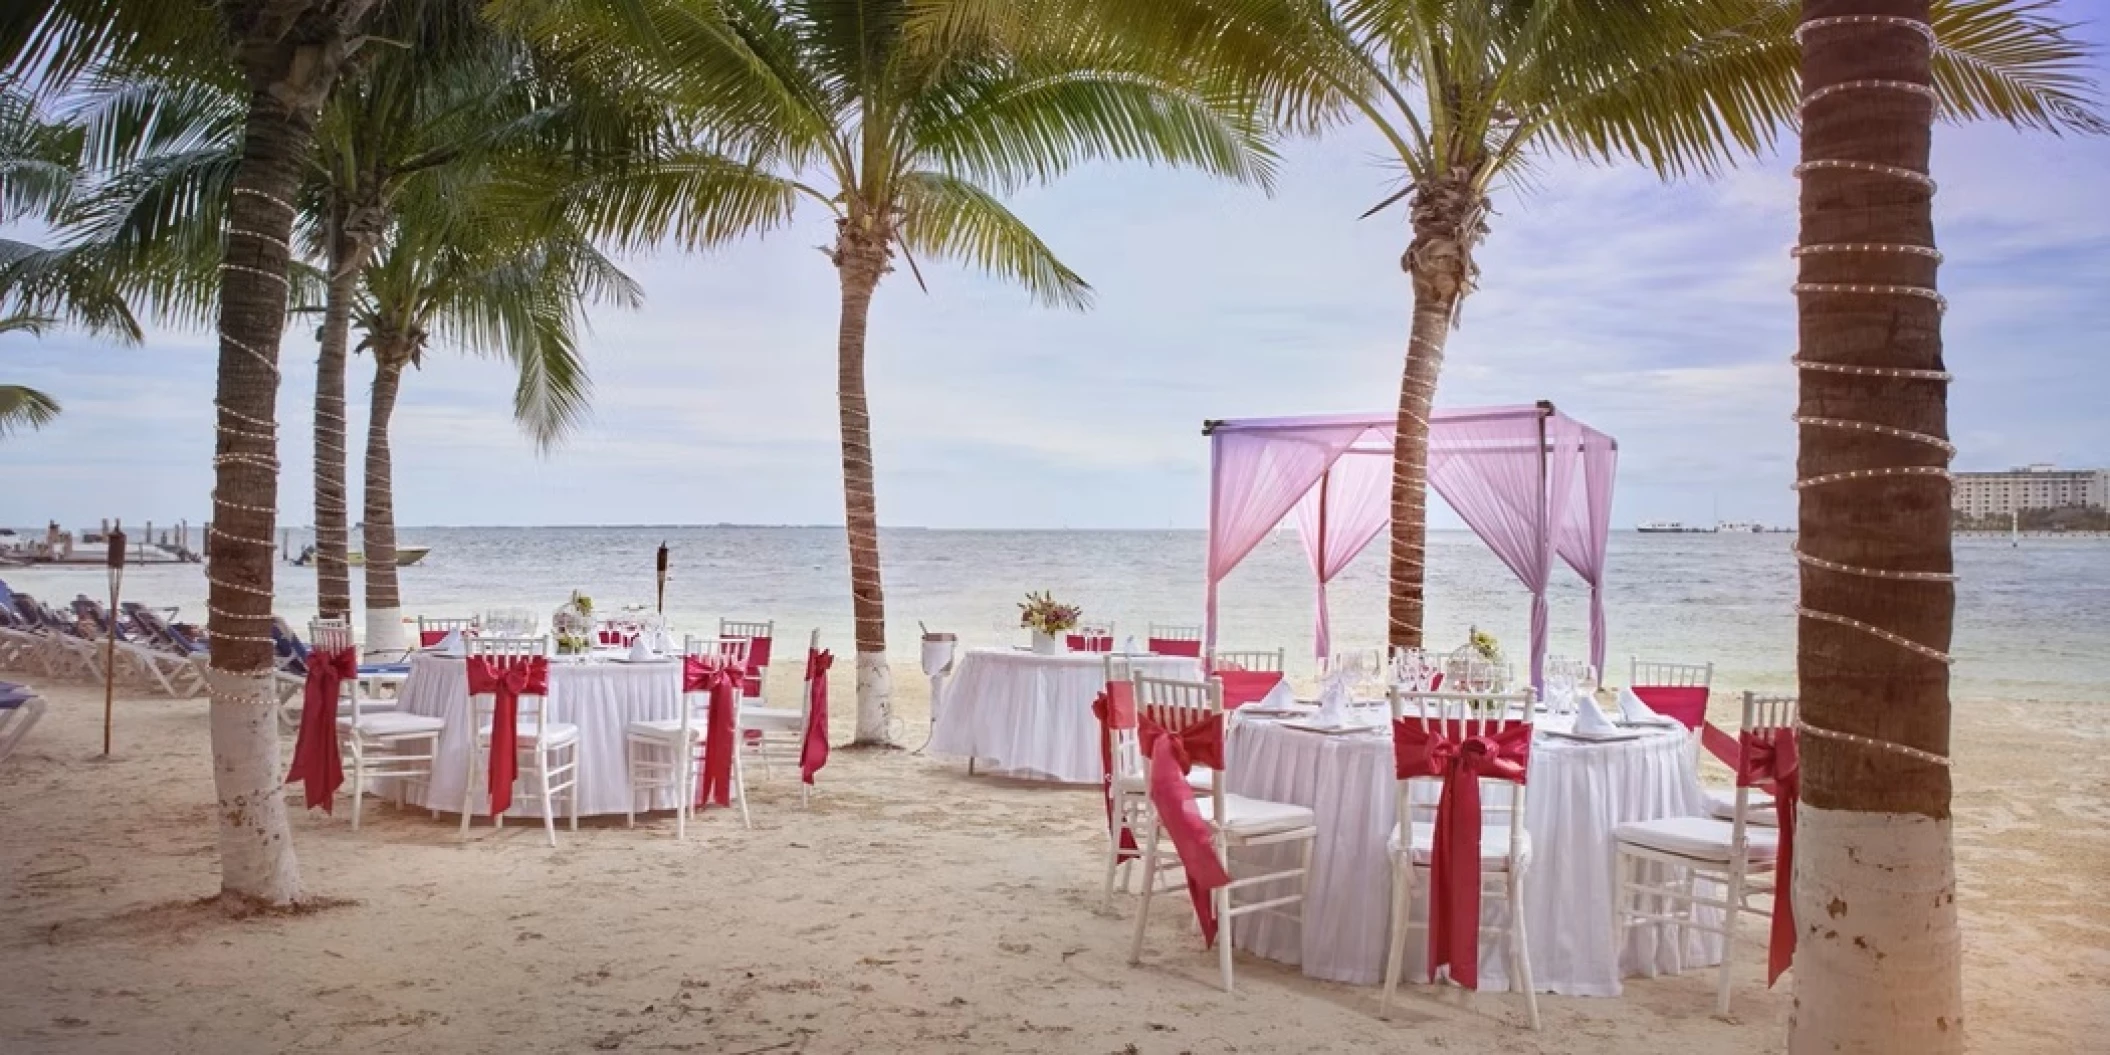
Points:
[[1532, 482]]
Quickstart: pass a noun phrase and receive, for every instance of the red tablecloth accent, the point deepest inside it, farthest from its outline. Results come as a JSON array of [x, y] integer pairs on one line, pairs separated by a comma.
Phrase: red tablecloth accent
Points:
[[1172, 752], [318, 758], [1502, 751], [506, 679]]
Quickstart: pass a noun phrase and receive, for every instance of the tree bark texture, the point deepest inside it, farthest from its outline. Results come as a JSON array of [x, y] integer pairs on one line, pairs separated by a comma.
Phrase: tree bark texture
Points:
[[1449, 221], [862, 249], [353, 233], [384, 599], [1878, 957], [290, 54]]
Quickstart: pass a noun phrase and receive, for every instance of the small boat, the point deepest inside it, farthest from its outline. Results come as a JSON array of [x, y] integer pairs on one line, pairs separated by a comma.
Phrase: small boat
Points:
[[405, 556]]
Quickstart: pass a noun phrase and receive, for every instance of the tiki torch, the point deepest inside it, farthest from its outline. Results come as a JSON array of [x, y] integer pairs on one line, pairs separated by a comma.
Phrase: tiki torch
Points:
[[662, 578], [116, 564]]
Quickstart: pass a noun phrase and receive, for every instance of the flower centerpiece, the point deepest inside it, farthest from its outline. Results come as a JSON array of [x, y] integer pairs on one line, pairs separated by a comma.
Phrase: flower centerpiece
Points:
[[1049, 619], [572, 624], [1483, 644]]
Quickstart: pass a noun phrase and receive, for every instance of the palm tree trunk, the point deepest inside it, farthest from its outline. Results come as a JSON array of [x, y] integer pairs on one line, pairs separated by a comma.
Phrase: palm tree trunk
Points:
[[290, 56], [333, 584], [1877, 967], [384, 602], [1448, 218], [860, 260]]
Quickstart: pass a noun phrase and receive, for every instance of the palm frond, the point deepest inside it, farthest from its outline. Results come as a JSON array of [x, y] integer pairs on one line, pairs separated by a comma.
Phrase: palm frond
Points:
[[1010, 126], [22, 408], [2008, 60], [946, 216]]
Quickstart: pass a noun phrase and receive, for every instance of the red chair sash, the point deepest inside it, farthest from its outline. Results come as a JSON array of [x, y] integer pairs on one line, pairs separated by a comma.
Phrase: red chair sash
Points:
[[813, 754], [609, 635], [1175, 646], [507, 679], [1116, 709], [1172, 753], [429, 638], [318, 756], [699, 674], [1501, 753], [1773, 762], [1242, 687], [1094, 643], [1686, 703]]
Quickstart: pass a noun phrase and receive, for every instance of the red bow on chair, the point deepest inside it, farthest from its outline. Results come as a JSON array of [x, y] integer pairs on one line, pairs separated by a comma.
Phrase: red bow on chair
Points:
[[813, 753], [722, 681], [1419, 750], [1772, 761], [507, 679], [1115, 708], [1172, 754], [318, 758]]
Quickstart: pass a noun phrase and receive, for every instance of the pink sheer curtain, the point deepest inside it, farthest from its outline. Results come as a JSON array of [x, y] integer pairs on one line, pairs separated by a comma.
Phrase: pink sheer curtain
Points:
[[1357, 504], [1495, 475], [1257, 477], [1581, 536]]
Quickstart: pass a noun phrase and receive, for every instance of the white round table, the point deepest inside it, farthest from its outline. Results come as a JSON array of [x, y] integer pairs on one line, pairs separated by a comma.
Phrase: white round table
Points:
[[1576, 793], [601, 697], [1030, 715]]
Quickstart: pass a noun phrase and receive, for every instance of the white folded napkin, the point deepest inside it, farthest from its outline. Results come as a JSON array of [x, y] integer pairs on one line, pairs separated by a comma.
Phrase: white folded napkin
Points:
[[1589, 717], [451, 645], [1128, 646], [1634, 711], [1277, 698], [640, 650], [1334, 702]]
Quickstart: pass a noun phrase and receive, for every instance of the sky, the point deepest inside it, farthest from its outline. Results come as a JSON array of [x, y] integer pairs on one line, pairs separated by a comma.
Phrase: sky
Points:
[[1659, 313]]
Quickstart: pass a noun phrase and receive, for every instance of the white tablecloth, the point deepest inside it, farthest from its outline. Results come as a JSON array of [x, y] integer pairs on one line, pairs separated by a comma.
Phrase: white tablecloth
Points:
[[601, 698], [1577, 792], [1030, 715]]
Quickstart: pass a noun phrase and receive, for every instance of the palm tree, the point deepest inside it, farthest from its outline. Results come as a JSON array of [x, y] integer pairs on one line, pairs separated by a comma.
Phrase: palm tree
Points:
[[1873, 842], [908, 139], [288, 55], [463, 267]]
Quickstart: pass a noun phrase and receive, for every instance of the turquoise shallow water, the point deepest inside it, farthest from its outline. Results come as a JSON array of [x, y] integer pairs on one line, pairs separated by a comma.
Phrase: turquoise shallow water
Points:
[[2033, 622]]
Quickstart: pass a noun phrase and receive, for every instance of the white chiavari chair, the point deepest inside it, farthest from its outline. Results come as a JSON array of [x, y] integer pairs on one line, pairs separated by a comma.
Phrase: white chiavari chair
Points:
[[761, 640], [1505, 845], [777, 734], [379, 742], [1660, 865], [1175, 639], [1129, 785], [1643, 676], [668, 752], [432, 628], [1248, 659], [548, 749], [1235, 822]]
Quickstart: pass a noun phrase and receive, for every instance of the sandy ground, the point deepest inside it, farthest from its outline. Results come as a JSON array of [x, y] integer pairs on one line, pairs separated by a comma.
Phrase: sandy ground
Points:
[[912, 908]]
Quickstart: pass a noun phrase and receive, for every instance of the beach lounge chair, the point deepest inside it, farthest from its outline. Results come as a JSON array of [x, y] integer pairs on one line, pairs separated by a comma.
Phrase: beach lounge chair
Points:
[[172, 673], [171, 654], [19, 710], [68, 651]]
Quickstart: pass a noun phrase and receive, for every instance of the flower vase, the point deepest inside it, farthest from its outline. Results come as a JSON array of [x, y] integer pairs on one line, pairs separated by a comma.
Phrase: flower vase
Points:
[[1046, 644]]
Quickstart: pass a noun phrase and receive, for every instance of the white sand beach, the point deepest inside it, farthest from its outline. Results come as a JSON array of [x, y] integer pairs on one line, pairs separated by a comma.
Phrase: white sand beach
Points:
[[911, 908]]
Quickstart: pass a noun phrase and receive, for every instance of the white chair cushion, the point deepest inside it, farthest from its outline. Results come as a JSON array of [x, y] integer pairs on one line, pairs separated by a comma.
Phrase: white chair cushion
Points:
[[391, 723], [1250, 817], [1721, 804], [1494, 846], [668, 728], [1700, 838], [1202, 780], [553, 733], [771, 719]]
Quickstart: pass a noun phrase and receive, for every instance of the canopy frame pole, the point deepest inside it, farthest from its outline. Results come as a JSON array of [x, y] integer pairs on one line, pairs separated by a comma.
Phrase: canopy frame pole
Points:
[[1322, 630]]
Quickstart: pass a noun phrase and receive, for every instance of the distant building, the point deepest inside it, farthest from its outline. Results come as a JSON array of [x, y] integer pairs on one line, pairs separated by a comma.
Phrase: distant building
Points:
[[2030, 487]]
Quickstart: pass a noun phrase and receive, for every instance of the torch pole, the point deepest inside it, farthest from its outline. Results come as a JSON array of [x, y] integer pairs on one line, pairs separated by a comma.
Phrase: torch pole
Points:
[[662, 578], [116, 564]]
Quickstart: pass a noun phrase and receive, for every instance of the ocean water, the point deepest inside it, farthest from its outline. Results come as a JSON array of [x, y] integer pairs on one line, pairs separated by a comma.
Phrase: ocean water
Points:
[[2033, 622]]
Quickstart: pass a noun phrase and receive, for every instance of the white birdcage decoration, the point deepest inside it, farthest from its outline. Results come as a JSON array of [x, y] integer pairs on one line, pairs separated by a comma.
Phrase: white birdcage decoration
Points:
[[572, 624]]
